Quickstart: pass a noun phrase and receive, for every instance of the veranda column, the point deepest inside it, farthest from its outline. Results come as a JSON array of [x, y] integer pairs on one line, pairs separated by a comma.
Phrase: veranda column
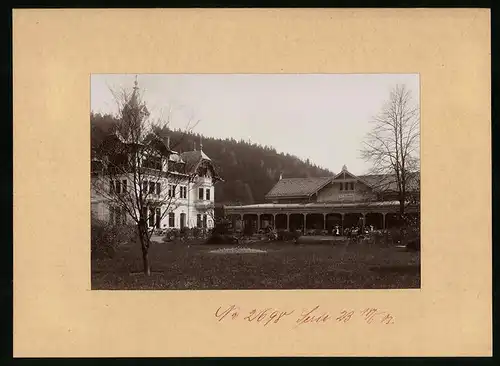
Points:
[[305, 223], [364, 221], [341, 224], [258, 222], [324, 221], [383, 220], [274, 221], [287, 221]]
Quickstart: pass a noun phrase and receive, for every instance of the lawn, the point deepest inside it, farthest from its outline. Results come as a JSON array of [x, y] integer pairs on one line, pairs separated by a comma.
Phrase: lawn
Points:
[[178, 266]]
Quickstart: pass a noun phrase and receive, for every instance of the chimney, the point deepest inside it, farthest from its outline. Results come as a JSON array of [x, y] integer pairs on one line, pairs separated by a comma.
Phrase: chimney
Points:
[[201, 144]]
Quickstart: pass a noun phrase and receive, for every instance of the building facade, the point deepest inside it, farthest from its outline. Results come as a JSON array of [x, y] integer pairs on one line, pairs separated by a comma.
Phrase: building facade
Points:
[[323, 203], [173, 189]]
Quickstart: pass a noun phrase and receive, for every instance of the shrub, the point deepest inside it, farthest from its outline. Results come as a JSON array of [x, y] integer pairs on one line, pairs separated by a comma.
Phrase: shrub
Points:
[[221, 228], [221, 239], [196, 232], [285, 235], [171, 234], [105, 238], [413, 235], [413, 244], [184, 232], [248, 231]]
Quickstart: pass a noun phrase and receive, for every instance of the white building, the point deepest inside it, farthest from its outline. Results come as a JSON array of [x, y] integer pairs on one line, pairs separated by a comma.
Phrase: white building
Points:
[[173, 189]]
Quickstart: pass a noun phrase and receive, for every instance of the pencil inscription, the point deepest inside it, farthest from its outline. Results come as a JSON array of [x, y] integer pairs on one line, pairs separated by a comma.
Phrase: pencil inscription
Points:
[[315, 315]]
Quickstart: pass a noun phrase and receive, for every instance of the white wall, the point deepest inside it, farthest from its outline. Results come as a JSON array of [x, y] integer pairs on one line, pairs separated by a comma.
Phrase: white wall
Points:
[[99, 204], [332, 193]]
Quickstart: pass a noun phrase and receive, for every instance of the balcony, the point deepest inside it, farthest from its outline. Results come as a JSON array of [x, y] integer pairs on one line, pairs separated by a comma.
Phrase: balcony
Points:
[[204, 180], [203, 204]]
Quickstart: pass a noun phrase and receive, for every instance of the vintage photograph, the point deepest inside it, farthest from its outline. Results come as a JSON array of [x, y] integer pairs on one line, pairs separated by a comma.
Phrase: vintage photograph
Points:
[[255, 181]]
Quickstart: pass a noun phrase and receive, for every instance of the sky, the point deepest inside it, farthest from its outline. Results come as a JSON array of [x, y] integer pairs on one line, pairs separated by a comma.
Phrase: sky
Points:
[[320, 117]]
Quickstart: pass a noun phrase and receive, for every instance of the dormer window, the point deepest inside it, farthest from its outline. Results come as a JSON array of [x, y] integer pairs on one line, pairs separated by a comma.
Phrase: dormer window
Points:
[[153, 162], [347, 186]]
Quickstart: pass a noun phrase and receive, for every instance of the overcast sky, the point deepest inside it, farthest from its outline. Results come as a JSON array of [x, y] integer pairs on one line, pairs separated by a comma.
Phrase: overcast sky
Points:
[[323, 117]]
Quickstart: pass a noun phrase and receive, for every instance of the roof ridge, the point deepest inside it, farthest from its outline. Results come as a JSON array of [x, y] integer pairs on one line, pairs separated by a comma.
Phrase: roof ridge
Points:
[[298, 178]]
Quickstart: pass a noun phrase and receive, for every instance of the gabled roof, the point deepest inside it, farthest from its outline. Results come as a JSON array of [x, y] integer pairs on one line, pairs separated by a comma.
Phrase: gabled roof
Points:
[[115, 139], [388, 182], [193, 159], [345, 174], [304, 187], [297, 187]]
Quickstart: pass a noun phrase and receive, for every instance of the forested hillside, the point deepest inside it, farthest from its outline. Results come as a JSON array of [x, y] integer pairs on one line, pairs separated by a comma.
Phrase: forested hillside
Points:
[[249, 170]]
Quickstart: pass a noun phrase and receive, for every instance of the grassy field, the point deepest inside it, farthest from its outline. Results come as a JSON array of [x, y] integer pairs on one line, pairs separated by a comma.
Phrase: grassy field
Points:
[[281, 266]]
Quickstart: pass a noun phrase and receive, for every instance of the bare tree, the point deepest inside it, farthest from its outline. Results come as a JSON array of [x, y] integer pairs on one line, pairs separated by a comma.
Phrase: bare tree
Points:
[[137, 173], [392, 146]]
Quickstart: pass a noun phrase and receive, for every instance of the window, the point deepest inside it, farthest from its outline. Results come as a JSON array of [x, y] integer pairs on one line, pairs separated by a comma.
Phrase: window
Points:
[[111, 186], [198, 220], [112, 215], [124, 185], [347, 186], [145, 187], [158, 217], [152, 187], [183, 192], [151, 217], [171, 190], [118, 186], [200, 193], [171, 219], [118, 216], [183, 220], [152, 162], [208, 194], [158, 188], [204, 221]]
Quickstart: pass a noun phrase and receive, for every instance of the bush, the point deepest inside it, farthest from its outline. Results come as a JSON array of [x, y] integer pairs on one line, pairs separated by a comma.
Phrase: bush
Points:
[[184, 232], [196, 232], [285, 235], [221, 239], [172, 234], [248, 231], [105, 238], [413, 236], [413, 244], [221, 228]]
